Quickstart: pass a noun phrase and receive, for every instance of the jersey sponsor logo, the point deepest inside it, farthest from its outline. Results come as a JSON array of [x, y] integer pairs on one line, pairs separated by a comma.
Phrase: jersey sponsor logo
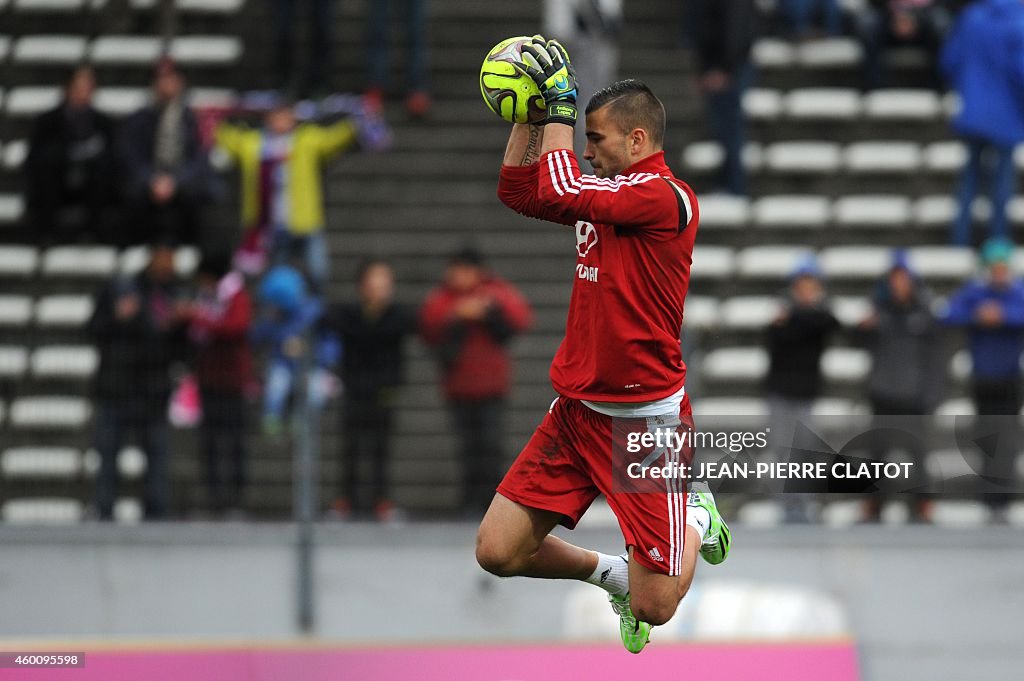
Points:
[[655, 554], [586, 273], [586, 238]]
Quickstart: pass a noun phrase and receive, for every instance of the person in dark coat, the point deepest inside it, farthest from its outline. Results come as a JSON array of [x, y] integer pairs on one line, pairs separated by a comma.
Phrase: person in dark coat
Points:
[[907, 373], [167, 175], [797, 339], [137, 326], [372, 332], [68, 170], [724, 33], [983, 61]]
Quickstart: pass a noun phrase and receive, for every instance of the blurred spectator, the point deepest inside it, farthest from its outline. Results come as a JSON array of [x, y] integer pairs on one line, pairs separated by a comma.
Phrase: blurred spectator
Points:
[[798, 15], [983, 61], [908, 365], [167, 174], [796, 342], [218, 329], [590, 31], [320, 40], [884, 23], [289, 327], [724, 34], [137, 326], [371, 333], [468, 322], [68, 171], [992, 311], [414, 15], [282, 193]]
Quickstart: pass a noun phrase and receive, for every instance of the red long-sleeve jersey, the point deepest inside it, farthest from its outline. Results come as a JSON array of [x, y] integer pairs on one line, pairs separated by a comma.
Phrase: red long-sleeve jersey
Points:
[[634, 247]]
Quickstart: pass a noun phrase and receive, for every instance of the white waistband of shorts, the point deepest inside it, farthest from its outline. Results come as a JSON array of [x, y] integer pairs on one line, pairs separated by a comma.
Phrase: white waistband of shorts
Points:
[[664, 406]]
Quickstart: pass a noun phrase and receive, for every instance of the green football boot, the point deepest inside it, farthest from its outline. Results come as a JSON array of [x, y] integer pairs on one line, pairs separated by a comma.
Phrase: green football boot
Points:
[[633, 632], [714, 546]]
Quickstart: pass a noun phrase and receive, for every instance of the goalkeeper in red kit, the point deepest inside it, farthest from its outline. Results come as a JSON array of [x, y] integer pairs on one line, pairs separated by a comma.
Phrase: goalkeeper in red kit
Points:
[[620, 361]]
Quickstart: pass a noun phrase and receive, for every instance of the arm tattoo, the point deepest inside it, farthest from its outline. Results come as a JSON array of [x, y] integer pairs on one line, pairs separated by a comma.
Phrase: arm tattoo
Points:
[[532, 147]]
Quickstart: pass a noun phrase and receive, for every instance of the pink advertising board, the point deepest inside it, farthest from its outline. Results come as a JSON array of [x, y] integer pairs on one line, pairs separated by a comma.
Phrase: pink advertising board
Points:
[[811, 661]]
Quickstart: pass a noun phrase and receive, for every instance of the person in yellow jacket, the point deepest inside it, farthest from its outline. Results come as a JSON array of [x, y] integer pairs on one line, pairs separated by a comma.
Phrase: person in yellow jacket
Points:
[[282, 203]]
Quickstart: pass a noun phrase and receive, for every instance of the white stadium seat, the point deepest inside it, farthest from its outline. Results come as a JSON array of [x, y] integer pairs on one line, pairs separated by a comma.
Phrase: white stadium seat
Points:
[[882, 157], [713, 262], [133, 260], [875, 210], [120, 101], [773, 53], [72, 310], [15, 153], [736, 364], [49, 49], [935, 210], [829, 53], [960, 365], [855, 262], [41, 462], [730, 406], [201, 97], [762, 104], [701, 312], [15, 310], [64, 361], [784, 210], [803, 157], [703, 156], [30, 101], [18, 261], [80, 261], [724, 210], [823, 103], [50, 412], [945, 157], [902, 104], [206, 49], [48, 5], [749, 312], [42, 511], [958, 406], [847, 365], [13, 361], [943, 262], [125, 49], [770, 262], [851, 310], [12, 207]]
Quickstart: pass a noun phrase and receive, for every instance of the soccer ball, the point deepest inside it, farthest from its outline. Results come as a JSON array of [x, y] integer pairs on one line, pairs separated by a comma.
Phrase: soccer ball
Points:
[[507, 92]]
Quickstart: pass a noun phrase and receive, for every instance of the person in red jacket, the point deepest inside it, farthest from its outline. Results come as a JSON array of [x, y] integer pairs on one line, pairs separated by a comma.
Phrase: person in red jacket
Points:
[[218, 329], [619, 371], [468, 322]]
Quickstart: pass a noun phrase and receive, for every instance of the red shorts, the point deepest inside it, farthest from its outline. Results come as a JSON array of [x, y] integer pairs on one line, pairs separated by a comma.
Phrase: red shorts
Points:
[[569, 461]]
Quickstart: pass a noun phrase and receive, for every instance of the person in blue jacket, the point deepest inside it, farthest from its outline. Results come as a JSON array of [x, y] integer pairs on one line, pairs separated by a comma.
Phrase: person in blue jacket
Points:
[[290, 328], [992, 311], [983, 61]]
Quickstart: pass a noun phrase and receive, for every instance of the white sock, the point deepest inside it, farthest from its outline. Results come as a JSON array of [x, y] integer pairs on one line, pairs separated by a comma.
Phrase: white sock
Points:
[[612, 574], [699, 518]]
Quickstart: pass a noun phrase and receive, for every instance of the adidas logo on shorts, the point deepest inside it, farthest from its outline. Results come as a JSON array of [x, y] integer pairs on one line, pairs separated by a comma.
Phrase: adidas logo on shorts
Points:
[[656, 554]]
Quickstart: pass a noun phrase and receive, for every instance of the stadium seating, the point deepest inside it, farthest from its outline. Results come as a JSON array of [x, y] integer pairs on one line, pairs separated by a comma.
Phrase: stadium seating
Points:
[[835, 172]]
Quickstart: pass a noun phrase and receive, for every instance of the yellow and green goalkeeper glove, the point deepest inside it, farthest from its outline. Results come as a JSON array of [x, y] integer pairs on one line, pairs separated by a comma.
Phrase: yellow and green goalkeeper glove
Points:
[[547, 63]]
